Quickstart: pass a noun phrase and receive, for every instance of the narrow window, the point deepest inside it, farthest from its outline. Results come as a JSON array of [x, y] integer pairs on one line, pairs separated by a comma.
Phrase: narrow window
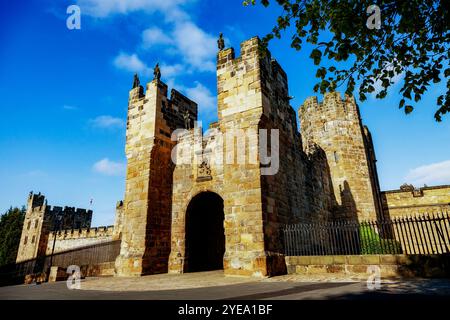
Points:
[[26, 240], [336, 157], [35, 224], [32, 239], [29, 225]]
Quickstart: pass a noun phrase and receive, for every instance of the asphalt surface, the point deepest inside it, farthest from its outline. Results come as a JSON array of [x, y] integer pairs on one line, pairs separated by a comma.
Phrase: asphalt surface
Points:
[[257, 290]]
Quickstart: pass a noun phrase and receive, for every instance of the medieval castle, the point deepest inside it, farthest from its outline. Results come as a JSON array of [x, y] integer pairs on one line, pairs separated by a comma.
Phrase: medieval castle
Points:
[[201, 215]]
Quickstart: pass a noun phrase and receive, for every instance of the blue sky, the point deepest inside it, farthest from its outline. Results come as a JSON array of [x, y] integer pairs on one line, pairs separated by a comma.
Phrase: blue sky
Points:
[[63, 94]]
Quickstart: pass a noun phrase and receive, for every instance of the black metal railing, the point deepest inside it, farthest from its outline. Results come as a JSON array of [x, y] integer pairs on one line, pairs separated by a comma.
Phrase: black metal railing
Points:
[[424, 234], [82, 256]]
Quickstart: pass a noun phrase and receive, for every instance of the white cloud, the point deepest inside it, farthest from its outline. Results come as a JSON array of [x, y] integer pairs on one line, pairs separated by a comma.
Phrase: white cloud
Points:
[[109, 168], [131, 63], [107, 122], [154, 36], [196, 47], [170, 71], [207, 102], [182, 37], [105, 8], [431, 174], [201, 94]]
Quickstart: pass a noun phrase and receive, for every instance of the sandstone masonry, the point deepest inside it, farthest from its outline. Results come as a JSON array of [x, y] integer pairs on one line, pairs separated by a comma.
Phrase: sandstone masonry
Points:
[[184, 210], [325, 174]]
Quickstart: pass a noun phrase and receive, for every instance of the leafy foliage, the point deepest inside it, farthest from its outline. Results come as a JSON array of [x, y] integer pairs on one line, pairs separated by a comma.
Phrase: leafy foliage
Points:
[[10, 231], [372, 243], [413, 43]]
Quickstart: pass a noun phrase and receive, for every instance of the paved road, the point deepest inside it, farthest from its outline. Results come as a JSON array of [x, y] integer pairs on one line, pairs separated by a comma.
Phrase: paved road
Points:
[[271, 290]]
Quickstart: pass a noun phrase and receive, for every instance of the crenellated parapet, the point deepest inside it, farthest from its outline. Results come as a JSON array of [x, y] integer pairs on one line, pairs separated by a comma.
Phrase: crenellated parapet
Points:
[[74, 238], [255, 84], [335, 115], [103, 231]]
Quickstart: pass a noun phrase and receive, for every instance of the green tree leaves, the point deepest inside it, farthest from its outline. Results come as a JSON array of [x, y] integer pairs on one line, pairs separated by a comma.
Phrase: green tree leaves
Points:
[[10, 231], [412, 46], [316, 55]]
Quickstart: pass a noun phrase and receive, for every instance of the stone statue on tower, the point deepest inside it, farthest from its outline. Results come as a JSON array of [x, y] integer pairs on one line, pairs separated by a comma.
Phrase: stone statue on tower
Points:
[[221, 42], [156, 72], [136, 82]]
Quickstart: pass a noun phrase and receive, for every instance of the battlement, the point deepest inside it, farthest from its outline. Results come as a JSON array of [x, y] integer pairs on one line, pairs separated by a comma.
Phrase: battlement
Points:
[[155, 104], [82, 233], [254, 81], [74, 238], [247, 48], [58, 210], [41, 220], [36, 200], [341, 108], [251, 57]]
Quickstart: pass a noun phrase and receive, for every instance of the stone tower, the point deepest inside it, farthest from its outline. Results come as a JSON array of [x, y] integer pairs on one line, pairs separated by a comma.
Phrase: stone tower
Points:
[[32, 241], [242, 104], [41, 219], [335, 125], [152, 117], [253, 96]]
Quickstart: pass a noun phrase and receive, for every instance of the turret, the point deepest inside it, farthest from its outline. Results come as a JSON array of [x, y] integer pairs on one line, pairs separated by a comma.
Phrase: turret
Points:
[[335, 125]]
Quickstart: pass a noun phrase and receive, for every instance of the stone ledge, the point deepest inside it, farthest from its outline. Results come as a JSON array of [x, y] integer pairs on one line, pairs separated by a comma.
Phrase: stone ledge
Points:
[[390, 265]]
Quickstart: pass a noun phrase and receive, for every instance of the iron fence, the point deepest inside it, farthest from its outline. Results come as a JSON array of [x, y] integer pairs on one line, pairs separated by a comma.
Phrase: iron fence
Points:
[[424, 234], [82, 256]]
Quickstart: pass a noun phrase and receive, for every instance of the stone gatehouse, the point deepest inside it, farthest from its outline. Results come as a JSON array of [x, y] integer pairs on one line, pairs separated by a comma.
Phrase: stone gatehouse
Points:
[[200, 215]]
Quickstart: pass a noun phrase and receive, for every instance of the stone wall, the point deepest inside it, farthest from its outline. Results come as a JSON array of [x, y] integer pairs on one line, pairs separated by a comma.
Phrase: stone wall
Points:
[[391, 266], [403, 203], [75, 238]]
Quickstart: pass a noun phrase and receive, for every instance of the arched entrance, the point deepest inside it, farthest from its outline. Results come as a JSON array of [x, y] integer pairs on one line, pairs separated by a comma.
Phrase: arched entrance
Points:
[[205, 235]]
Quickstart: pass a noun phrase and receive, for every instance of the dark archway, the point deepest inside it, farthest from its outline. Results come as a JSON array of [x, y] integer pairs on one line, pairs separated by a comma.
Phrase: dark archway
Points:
[[205, 235]]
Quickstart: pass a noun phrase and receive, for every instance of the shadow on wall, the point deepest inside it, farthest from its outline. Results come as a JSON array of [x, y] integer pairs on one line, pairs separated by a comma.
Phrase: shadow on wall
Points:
[[347, 208]]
